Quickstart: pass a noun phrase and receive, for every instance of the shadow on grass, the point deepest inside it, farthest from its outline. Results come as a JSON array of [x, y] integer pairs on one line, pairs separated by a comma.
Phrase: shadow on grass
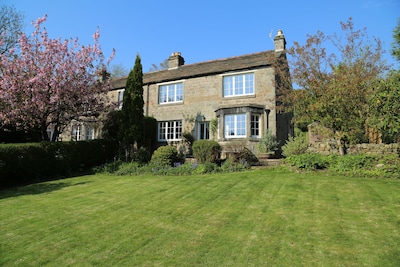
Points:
[[36, 189]]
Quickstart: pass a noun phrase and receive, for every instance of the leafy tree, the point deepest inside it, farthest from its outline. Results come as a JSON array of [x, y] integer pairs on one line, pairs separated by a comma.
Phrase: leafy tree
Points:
[[335, 86], [11, 26], [162, 66], [51, 82], [396, 42], [385, 106], [132, 109], [384, 102]]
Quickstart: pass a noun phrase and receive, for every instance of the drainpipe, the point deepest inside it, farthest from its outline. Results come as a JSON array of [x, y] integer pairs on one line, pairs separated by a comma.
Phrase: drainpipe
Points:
[[147, 100], [267, 111]]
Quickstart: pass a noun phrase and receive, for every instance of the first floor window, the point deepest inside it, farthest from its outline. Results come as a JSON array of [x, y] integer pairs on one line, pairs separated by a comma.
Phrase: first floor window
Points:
[[77, 133], [170, 130], [235, 125], [237, 85], [89, 133], [204, 132], [255, 125], [170, 93]]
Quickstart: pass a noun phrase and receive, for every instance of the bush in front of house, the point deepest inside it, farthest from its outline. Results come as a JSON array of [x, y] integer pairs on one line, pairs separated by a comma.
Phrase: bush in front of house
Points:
[[295, 145], [268, 142], [34, 162], [206, 151], [165, 156]]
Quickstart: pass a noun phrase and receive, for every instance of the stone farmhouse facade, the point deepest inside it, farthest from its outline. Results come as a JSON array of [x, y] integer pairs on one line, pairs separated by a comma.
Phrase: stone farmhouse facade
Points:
[[231, 100]]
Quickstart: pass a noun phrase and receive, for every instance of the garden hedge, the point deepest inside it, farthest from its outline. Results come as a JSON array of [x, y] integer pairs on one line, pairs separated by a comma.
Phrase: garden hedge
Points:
[[34, 162]]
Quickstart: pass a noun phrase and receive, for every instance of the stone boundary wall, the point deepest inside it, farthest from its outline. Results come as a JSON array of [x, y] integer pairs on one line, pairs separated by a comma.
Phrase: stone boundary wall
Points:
[[331, 148]]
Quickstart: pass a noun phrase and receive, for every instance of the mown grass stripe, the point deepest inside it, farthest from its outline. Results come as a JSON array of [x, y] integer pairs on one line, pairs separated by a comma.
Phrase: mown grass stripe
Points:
[[255, 218]]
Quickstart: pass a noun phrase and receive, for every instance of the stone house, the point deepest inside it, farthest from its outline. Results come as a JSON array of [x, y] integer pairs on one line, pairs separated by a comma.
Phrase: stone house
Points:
[[231, 100]]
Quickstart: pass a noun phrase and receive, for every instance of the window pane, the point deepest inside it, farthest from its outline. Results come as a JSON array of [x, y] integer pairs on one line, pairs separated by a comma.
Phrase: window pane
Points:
[[249, 83], [179, 92], [163, 94], [228, 85], [161, 127], [239, 85], [171, 93], [178, 130], [255, 125], [229, 125], [241, 125]]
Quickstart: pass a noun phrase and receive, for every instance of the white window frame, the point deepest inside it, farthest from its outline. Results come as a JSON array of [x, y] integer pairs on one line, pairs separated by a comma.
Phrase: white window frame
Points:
[[77, 132], [170, 130], [173, 93], [238, 82], [237, 121], [255, 125]]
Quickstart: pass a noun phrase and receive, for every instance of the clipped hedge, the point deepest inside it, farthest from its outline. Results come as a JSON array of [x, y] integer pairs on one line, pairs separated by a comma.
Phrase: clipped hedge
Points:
[[34, 162]]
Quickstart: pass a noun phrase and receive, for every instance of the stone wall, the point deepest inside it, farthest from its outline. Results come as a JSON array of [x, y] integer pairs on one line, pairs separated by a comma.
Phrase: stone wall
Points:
[[331, 148], [322, 140]]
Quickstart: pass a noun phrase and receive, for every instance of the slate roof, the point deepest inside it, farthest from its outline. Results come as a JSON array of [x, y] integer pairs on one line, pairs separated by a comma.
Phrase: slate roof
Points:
[[238, 63]]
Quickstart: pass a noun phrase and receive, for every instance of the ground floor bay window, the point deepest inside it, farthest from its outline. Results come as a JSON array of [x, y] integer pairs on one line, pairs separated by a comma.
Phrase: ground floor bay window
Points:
[[242, 122]]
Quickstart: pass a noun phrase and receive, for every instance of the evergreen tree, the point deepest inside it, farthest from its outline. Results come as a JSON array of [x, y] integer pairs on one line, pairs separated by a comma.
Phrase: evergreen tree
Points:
[[132, 109]]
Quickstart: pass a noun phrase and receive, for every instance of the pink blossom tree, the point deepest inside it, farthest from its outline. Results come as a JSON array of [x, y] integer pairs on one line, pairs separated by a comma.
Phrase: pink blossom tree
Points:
[[50, 82]]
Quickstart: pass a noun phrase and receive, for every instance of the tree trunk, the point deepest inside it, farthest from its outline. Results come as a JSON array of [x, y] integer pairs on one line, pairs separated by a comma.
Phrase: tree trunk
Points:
[[55, 135], [43, 131]]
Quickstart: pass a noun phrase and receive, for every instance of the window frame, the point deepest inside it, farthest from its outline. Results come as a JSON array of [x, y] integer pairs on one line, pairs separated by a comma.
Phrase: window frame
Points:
[[166, 129], [237, 125], [238, 79], [77, 132], [177, 93], [89, 133], [203, 130], [255, 125]]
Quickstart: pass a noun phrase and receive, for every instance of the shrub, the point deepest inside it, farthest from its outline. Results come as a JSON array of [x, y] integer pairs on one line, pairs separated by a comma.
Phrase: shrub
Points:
[[141, 156], [230, 165], [295, 146], [309, 161], [268, 142], [351, 162], [165, 156], [206, 167], [206, 151]]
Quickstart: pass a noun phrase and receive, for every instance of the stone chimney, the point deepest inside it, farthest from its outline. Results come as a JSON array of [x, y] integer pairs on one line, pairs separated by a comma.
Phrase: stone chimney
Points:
[[279, 41], [175, 60]]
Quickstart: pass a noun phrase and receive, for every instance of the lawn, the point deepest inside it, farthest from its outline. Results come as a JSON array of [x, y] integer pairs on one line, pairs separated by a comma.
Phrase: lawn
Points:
[[253, 218]]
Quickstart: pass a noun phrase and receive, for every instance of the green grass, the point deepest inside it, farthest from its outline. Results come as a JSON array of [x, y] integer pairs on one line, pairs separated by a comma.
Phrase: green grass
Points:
[[254, 218]]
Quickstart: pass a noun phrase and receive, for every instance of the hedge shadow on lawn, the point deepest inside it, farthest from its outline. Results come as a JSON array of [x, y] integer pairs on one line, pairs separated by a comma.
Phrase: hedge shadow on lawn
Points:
[[36, 189]]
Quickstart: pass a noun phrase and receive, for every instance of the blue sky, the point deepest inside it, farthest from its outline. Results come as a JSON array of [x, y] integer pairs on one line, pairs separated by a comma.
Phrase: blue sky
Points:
[[203, 30]]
